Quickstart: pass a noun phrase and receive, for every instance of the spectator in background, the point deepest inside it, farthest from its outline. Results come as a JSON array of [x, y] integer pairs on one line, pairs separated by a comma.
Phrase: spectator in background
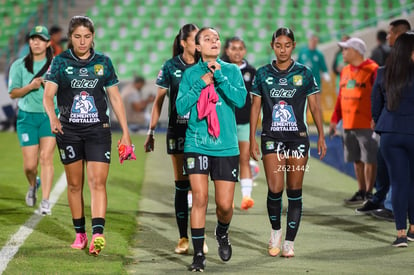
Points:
[[136, 106], [393, 112], [235, 51], [338, 63], [381, 51], [381, 206], [314, 59], [353, 107], [56, 39]]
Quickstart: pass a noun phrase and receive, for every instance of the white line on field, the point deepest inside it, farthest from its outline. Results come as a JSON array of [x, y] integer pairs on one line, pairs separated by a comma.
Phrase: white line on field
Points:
[[12, 246]]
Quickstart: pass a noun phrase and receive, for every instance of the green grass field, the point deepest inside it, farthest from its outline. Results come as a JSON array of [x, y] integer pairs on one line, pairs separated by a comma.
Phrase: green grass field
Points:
[[47, 250], [141, 231]]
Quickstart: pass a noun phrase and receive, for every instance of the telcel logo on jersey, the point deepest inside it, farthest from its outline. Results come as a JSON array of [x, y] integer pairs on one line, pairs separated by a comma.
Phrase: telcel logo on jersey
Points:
[[83, 83], [282, 93]]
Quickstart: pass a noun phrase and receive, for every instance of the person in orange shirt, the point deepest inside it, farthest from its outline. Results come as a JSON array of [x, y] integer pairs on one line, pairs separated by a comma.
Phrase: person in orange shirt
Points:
[[56, 39], [353, 107]]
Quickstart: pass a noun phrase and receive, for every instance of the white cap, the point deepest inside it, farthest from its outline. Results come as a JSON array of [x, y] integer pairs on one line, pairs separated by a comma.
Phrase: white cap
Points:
[[354, 43]]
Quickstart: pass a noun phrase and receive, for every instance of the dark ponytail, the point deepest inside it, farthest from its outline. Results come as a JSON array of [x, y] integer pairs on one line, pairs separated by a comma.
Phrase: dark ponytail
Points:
[[183, 34]]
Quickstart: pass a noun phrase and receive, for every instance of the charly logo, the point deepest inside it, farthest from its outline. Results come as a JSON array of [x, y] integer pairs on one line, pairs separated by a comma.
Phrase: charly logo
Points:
[[269, 80], [69, 70], [178, 73]]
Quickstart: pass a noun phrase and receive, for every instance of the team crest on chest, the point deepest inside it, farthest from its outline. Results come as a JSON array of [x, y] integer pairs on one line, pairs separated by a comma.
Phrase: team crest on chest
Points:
[[98, 69], [297, 80]]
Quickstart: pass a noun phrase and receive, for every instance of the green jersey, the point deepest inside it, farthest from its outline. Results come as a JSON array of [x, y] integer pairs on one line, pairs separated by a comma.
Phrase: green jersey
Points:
[[169, 78], [229, 85], [81, 94], [19, 77], [284, 100]]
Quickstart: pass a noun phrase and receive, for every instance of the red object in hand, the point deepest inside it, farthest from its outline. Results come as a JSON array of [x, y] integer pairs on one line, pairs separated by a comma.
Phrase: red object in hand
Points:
[[126, 152]]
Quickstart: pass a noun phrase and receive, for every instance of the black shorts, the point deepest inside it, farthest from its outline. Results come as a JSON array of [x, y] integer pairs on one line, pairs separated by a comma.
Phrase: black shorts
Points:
[[219, 168], [175, 140], [91, 144], [286, 149]]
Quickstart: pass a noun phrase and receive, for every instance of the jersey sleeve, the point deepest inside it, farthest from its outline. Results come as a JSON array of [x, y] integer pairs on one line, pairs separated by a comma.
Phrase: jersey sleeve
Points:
[[15, 76], [111, 78], [163, 79], [312, 87], [256, 86], [52, 73]]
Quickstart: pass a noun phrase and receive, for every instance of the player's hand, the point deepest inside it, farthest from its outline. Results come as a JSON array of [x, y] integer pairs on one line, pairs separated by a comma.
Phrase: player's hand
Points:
[[36, 83], [149, 144], [213, 66], [56, 126], [208, 78], [322, 147], [254, 150]]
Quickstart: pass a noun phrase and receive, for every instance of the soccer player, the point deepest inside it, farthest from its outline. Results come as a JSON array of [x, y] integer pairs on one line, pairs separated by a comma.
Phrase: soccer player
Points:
[[168, 81], [81, 77], [33, 126], [235, 51], [209, 91], [284, 88]]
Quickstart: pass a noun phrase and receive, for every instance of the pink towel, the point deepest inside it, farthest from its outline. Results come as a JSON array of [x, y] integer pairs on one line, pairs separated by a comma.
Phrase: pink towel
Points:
[[126, 152], [206, 107]]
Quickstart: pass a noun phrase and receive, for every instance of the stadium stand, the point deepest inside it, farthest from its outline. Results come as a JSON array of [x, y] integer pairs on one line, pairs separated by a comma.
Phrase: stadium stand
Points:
[[139, 36]]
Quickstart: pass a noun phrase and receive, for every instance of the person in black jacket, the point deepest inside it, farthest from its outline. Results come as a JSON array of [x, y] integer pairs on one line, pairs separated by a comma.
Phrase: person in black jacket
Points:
[[393, 114]]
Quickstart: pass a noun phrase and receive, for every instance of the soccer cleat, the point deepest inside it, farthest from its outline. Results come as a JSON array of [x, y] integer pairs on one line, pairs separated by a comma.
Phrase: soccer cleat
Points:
[[182, 246], [44, 208], [80, 242], [410, 236], [288, 249], [97, 244], [199, 263], [224, 246], [400, 242], [247, 202], [275, 242], [31, 196]]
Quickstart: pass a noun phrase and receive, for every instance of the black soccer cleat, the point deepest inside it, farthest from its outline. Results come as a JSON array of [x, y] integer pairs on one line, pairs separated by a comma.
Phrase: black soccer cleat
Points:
[[199, 263], [224, 247]]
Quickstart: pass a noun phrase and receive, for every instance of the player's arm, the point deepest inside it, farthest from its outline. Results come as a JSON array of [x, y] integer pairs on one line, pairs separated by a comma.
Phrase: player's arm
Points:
[[119, 110], [254, 118], [188, 93], [49, 105], [155, 116], [314, 105]]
